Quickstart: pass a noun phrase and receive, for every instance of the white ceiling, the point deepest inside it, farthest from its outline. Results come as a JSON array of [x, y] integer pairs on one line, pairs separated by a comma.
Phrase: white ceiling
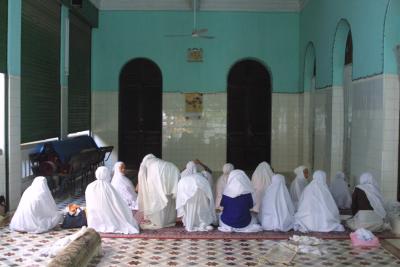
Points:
[[215, 5]]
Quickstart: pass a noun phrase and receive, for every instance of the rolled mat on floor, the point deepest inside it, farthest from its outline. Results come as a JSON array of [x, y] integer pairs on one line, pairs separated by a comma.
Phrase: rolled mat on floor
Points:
[[80, 251]]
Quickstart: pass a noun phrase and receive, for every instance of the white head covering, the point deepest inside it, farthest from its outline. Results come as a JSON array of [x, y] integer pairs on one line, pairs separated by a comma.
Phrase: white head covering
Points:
[[37, 211], [191, 168], [209, 178], [298, 184], [317, 209], [277, 210], [103, 174], [226, 169], [157, 179], [261, 179], [124, 186], [194, 202], [238, 184], [107, 212], [340, 191], [369, 185]]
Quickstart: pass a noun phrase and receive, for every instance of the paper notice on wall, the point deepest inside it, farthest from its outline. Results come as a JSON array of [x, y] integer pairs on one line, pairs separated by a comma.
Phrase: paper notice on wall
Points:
[[193, 105]]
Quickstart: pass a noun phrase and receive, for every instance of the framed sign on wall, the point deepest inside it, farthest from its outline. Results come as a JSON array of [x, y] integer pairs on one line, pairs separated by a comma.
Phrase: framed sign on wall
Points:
[[193, 105]]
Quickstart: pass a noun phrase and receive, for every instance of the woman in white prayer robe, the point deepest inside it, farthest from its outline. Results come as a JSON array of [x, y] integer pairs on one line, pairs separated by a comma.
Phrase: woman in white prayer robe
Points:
[[317, 209], [340, 191], [195, 203], [124, 186], [261, 179], [191, 168], [368, 206], [237, 201], [298, 184], [277, 210], [195, 166], [158, 184], [107, 212], [226, 170], [37, 211]]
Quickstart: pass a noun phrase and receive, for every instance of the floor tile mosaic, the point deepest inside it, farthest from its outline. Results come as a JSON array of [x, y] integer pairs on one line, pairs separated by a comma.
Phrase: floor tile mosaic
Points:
[[23, 249], [18, 249]]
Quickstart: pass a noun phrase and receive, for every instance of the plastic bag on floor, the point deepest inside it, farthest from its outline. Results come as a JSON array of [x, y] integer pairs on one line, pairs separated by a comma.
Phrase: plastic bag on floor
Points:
[[279, 253], [59, 245], [308, 245]]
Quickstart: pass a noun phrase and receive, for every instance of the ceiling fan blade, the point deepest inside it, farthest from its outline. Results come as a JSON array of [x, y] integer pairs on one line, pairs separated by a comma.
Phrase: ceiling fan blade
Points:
[[177, 35], [206, 36], [201, 30]]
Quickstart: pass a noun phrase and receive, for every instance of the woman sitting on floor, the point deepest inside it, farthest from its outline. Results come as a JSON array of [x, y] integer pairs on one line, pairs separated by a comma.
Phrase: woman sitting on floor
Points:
[[158, 184], [298, 184], [261, 179], [317, 209], [367, 206], [37, 211], [195, 203], [277, 210], [124, 186], [107, 212], [221, 183], [237, 200], [340, 191]]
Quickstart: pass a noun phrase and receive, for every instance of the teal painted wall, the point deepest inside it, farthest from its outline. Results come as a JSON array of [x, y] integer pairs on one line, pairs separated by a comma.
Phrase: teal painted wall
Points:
[[392, 36], [272, 38], [14, 37], [318, 22], [64, 47]]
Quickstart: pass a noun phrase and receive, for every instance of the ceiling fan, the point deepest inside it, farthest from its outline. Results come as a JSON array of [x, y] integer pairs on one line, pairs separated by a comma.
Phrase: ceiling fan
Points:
[[196, 33]]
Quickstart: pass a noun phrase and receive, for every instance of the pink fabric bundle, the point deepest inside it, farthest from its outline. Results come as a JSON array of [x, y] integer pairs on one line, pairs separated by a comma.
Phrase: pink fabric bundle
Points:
[[357, 242]]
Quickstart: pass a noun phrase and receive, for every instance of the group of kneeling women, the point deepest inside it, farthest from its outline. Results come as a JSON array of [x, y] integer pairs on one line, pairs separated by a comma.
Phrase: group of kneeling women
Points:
[[237, 204]]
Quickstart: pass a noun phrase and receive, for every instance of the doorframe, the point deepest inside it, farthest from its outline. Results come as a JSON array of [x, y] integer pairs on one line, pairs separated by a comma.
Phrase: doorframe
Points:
[[269, 122], [119, 102]]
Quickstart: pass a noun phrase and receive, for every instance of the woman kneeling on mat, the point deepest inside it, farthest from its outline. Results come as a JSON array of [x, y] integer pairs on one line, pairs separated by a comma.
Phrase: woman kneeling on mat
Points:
[[237, 200]]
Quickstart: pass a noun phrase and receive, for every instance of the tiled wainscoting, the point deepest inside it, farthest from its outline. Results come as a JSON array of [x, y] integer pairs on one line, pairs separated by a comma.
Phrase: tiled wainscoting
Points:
[[204, 138], [14, 139], [287, 131], [306, 128], [374, 129], [322, 129], [2, 134]]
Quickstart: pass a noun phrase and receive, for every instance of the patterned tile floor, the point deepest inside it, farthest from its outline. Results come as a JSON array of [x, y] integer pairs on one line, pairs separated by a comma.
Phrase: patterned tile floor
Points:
[[22, 249]]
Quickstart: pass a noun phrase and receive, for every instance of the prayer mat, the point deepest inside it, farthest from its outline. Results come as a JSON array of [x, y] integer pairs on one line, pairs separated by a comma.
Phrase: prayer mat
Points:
[[179, 232]]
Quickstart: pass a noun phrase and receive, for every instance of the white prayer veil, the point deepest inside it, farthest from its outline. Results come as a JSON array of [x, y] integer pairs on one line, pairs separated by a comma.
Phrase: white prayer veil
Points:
[[221, 183], [103, 174], [238, 184], [369, 185], [191, 168], [261, 179], [194, 202], [298, 184], [158, 180], [340, 191], [317, 209], [107, 212], [37, 211], [277, 210], [124, 186]]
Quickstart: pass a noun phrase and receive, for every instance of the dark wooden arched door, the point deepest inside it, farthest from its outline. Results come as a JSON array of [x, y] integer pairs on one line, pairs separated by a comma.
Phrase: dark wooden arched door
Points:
[[249, 115], [140, 111]]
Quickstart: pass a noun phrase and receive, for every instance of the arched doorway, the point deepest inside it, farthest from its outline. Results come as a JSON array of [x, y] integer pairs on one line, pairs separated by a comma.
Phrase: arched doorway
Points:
[[249, 115], [140, 111], [347, 104], [309, 83]]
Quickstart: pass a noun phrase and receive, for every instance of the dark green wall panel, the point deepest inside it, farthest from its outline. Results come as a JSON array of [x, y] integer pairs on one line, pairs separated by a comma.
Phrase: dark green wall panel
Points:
[[40, 70], [3, 35], [79, 80]]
